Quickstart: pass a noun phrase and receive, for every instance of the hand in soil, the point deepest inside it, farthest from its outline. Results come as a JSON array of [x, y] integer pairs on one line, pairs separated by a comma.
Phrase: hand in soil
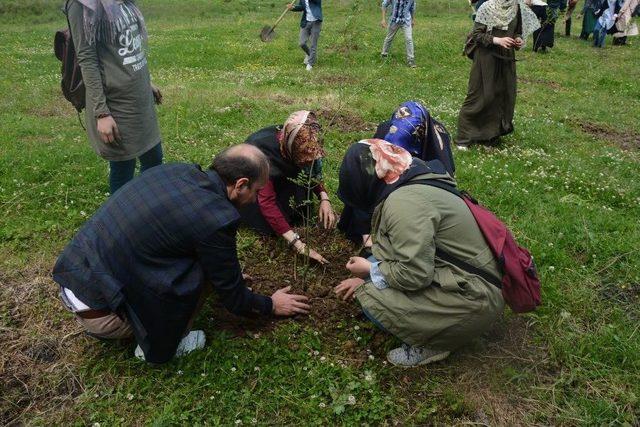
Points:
[[311, 253], [347, 288], [359, 266], [326, 215], [286, 304]]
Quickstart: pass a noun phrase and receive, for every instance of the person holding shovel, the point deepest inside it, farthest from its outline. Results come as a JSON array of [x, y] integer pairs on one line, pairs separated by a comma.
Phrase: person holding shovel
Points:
[[310, 27]]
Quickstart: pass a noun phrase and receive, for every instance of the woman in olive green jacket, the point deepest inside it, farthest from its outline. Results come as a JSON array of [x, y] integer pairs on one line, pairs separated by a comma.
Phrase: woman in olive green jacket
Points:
[[433, 306]]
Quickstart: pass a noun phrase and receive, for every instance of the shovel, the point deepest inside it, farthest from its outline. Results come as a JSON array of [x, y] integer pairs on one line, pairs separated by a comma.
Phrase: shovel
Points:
[[268, 33]]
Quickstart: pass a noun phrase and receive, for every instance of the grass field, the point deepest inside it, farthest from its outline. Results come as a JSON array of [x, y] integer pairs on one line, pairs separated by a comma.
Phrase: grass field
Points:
[[567, 182]]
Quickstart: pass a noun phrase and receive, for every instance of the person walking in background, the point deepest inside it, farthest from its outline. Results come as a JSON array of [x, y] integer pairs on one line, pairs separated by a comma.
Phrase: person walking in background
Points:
[[402, 16], [588, 18], [500, 28], [625, 27], [567, 17], [310, 27], [607, 15], [547, 13], [109, 38]]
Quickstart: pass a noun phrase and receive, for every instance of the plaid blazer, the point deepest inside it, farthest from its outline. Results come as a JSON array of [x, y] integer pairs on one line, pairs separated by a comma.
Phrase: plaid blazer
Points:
[[148, 250]]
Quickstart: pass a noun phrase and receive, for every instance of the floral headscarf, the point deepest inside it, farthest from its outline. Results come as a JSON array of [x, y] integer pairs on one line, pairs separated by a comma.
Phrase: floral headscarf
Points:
[[373, 168], [300, 142]]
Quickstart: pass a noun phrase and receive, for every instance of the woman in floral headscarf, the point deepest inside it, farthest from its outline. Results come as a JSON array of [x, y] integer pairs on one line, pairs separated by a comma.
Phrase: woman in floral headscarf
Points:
[[411, 127], [500, 28], [295, 156], [407, 287]]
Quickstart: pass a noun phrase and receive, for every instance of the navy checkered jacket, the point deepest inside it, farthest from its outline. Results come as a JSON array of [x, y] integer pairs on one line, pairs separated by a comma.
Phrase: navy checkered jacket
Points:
[[147, 251]]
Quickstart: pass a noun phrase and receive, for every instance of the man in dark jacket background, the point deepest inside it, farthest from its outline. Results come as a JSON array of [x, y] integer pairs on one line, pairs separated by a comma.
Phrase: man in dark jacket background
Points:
[[310, 27], [141, 264]]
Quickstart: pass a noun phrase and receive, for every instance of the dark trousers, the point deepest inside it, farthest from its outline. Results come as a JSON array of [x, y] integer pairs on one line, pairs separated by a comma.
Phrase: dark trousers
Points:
[[121, 172]]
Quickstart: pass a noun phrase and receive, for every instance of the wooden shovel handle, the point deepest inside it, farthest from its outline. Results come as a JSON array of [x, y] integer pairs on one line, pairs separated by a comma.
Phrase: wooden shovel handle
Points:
[[280, 18]]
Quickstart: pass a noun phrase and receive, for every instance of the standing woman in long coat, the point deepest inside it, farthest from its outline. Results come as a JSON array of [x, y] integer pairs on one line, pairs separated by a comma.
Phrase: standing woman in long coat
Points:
[[487, 113]]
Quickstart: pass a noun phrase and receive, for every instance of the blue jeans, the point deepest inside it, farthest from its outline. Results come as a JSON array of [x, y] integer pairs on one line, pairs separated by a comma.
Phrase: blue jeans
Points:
[[599, 34], [121, 172]]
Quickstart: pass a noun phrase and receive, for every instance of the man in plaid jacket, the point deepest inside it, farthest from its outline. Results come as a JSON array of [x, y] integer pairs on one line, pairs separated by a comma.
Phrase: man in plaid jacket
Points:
[[142, 264]]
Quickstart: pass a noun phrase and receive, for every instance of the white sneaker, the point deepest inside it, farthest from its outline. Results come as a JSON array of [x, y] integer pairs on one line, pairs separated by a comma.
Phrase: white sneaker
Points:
[[194, 340], [408, 356], [309, 67], [306, 60]]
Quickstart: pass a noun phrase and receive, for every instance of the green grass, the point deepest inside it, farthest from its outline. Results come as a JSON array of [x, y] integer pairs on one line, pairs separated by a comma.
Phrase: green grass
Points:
[[569, 195]]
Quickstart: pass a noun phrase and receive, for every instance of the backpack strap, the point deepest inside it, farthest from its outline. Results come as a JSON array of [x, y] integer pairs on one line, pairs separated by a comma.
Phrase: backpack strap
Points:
[[446, 256]]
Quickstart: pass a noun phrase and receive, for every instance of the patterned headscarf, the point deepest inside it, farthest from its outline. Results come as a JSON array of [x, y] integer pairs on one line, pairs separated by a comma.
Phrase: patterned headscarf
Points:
[[499, 13], [300, 142], [408, 126], [104, 19], [372, 168]]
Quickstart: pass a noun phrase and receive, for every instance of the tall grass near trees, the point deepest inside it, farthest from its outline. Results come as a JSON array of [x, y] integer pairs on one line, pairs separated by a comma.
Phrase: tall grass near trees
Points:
[[567, 182]]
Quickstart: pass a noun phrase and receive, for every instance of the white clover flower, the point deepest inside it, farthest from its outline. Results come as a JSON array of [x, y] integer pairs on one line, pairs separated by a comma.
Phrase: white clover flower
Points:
[[321, 405], [356, 328], [552, 268], [233, 369], [180, 372], [322, 358], [256, 368], [351, 400], [371, 357], [129, 396], [238, 422]]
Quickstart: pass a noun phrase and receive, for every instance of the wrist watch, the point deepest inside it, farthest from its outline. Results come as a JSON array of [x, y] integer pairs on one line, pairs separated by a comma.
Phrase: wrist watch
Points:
[[293, 241]]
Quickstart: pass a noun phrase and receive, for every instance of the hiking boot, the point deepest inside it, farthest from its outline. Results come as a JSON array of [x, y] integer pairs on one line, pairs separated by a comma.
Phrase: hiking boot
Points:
[[194, 340], [411, 64], [408, 356], [384, 55], [309, 67]]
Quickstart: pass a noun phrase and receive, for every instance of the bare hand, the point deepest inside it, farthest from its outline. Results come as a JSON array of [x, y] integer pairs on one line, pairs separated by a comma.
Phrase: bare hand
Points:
[[518, 42], [347, 288], [290, 6], [157, 95], [108, 130], [383, 23], [303, 250], [359, 266], [326, 214], [286, 304], [505, 42]]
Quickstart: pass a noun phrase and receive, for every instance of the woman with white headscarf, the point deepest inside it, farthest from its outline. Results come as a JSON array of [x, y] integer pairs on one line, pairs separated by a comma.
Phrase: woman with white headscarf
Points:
[[500, 28], [110, 40]]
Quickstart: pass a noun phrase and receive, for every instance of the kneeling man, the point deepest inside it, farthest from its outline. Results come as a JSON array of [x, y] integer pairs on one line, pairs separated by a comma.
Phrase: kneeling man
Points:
[[142, 264]]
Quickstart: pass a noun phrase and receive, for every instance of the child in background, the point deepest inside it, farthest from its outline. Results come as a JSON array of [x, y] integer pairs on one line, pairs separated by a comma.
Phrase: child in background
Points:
[[402, 16]]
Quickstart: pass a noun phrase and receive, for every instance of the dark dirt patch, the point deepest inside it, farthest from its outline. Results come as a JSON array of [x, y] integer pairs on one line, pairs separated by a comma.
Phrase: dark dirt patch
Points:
[[336, 79], [36, 370], [627, 140], [44, 351], [543, 82], [344, 121]]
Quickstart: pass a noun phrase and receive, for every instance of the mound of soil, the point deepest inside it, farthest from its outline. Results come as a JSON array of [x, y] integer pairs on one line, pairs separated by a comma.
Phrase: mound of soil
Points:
[[344, 121], [272, 265]]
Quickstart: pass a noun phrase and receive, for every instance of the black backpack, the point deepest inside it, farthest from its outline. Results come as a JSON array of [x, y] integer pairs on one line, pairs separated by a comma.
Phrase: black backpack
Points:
[[71, 82]]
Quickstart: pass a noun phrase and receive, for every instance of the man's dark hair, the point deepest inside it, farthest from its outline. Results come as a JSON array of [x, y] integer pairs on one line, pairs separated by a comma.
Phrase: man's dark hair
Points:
[[241, 161]]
